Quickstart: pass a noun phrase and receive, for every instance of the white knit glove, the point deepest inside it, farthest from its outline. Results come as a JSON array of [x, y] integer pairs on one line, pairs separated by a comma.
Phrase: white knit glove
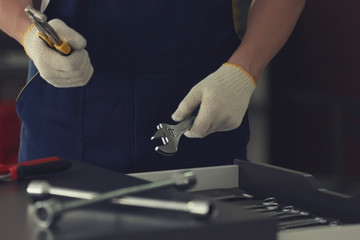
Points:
[[223, 97], [60, 71]]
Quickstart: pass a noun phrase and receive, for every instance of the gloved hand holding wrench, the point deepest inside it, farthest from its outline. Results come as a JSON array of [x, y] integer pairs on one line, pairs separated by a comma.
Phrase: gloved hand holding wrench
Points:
[[170, 135], [57, 50], [223, 98]]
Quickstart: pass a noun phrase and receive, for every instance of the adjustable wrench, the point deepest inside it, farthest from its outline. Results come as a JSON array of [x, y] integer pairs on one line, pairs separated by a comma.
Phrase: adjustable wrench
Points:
[[170, 135]]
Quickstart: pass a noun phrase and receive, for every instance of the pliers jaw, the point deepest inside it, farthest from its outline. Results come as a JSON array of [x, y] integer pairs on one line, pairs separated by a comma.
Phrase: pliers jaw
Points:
[[40, 21], [46, 32]]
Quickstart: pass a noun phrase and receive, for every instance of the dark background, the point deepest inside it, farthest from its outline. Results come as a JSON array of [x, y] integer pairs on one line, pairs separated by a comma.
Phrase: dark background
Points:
[[314, 87]]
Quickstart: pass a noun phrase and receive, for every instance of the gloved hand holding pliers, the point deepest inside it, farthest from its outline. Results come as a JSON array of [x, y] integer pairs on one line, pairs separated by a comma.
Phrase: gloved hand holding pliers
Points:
[[69, 69]]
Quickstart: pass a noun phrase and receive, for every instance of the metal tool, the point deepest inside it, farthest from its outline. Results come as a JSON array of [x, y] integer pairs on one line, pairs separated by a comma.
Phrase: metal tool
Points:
[[270, 201], [302, 223], [48, 211], [282, 213], [42, 189], [46, 32], [170, 135], [18, 171], [196, 207], [233, 197], [267, 208], [39, 189], [291, 212]]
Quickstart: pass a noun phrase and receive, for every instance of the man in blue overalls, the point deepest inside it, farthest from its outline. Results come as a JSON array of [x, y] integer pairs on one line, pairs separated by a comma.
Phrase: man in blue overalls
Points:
[[130, 68]]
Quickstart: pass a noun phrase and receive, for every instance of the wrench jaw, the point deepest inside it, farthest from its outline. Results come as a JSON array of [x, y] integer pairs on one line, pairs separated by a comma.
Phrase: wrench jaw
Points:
[[169, 138], [169, 149], [160, 133], [170, 135]]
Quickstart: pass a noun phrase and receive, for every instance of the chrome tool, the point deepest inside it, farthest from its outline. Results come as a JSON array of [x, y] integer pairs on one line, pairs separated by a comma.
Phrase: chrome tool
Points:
[[47, 212], [200, 208], [170, 135], [46, 32]]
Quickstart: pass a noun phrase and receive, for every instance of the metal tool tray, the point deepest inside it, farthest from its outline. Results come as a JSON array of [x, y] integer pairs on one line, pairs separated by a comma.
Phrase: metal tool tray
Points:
[[297, 188], [288, 187], [108, 221]]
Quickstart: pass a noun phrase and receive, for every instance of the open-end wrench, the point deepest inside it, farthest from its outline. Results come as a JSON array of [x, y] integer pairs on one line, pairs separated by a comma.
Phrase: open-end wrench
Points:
[[233, 197], [286, 212], [271, 207], [200, 208], [291, 212], [270, 201], [302, 223], [170, 135], [48, 211]]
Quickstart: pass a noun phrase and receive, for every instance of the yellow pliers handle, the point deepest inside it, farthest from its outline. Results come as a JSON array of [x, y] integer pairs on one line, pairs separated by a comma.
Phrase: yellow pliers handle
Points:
[[63, 48], [46, 32]]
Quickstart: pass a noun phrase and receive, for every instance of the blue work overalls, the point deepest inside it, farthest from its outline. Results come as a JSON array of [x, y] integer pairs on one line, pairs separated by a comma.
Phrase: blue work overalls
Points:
[[147, 55]]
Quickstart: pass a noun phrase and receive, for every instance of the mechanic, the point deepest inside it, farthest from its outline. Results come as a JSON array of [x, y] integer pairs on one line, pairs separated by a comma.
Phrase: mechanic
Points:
[[135, 64]]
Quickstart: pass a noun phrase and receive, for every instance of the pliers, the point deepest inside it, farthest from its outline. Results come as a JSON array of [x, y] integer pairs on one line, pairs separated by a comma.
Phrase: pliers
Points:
[[46, 32], [21, 170]]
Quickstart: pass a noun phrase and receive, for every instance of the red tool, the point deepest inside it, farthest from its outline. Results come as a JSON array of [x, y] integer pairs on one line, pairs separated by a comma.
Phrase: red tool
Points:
[[34, 167]]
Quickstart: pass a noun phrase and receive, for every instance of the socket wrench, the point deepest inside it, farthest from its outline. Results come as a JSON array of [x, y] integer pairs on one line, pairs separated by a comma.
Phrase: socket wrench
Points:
[[47, 212], [200, 208]]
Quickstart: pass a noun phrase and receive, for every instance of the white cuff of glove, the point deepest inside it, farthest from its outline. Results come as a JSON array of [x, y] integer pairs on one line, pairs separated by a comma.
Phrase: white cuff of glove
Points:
[[223, 97], [60, 71]]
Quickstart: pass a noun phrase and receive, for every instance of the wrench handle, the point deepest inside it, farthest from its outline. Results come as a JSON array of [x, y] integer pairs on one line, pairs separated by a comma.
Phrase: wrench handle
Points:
[[187, 123]]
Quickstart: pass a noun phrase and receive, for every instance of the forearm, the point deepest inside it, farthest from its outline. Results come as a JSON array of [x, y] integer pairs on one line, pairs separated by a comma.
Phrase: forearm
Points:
[[13, 20], [270, 23]]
